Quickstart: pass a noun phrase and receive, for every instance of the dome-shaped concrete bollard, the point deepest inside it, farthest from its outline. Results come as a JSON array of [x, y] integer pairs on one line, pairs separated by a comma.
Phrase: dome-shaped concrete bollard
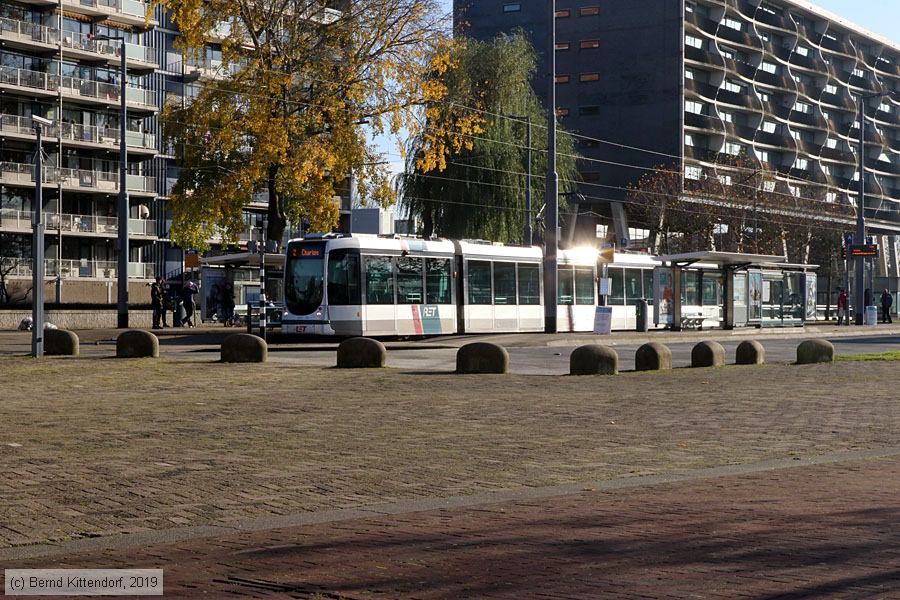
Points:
[[482, 357], [815, 351], [137, 344], [708, 354], [361, 353], [60, 342], [593, 359], [750, 352], [653, 357], [244, 348]]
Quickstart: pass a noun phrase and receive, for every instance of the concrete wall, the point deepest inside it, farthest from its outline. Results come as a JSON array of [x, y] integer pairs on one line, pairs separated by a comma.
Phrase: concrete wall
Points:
[[77, 291], [79, 319]]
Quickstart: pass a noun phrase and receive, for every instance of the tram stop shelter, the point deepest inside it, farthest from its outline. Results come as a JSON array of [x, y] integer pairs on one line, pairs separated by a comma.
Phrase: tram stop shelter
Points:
[[728, 289], [241, 269]]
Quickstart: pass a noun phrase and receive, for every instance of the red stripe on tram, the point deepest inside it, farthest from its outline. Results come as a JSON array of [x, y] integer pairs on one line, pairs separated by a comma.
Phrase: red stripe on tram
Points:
[[417, 320]]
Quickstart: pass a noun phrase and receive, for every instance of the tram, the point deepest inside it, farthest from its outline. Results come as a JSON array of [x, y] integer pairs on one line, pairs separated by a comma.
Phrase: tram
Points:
[[350, 285]]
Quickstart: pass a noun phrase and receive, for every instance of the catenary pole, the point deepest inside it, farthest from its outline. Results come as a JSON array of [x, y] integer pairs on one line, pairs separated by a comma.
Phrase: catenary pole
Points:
[[37, 253], [551, 199]]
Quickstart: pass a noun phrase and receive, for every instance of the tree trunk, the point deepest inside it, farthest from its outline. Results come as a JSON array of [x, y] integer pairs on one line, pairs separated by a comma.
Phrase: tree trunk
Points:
[[277, 220]]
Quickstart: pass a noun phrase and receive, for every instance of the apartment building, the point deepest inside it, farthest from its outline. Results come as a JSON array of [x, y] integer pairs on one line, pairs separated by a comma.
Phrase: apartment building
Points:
[[685, 82], [51, 66]]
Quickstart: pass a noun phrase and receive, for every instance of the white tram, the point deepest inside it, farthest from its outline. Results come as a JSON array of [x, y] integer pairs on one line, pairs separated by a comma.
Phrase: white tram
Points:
[[385, 286]]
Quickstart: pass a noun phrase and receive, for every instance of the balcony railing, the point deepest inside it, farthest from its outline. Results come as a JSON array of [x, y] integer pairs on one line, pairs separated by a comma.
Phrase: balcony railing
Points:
[[128, 8], [21, 220], [103, 181], [75, 268], [75, 86], [73, 132]]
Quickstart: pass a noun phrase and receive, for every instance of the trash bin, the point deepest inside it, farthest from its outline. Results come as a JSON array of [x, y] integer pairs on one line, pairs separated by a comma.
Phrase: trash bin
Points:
[[642, 313], [871, 315], [177, 313]]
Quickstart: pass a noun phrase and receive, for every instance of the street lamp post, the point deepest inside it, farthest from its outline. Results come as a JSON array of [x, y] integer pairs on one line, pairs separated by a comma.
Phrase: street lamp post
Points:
[[860, 238], [122, 277], [37, 252], [551, 199], [528, 236]]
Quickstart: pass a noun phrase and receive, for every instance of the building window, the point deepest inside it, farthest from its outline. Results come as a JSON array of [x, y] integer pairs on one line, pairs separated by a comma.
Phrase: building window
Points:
[[762, 155], [589, 11], [563, 14], [727, 116], [693, 42], [727, 52], [693, 107], [562, 45], [802, 107], [733, 87], [886, 108], [764, 96], [802, 50], [562, 112], [795, 190], [692, 172], [585, 77], [830, 197], [733, 24], [588, 44], [725, 179], [801, 163], [689, 140], [859, 73], [768, 186], [508, 8], [768, 67], [831, 143], [830, 89], [589, 110], [562, 79], [688, 74], [732, 148], [769, 126]]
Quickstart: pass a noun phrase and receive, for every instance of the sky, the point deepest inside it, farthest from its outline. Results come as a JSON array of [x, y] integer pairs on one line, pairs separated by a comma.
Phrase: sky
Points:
[[879, 16]]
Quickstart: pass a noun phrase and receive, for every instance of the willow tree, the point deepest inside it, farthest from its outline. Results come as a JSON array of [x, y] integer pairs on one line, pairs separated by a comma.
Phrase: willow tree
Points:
[[474, 187], [284, 113]]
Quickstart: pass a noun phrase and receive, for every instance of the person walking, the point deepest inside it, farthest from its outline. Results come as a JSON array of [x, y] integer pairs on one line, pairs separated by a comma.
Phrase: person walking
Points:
[[156, 302], [187, 298], [886, 302], [227, 304], [842, 306]]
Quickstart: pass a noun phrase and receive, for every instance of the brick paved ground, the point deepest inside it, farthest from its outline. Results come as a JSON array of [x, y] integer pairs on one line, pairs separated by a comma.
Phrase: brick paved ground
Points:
[[98, 447], [826, 531]]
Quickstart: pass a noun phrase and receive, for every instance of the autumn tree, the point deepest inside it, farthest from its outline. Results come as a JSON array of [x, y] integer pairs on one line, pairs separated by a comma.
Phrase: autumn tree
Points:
[[477, 189], [15, 252], [284, 114]]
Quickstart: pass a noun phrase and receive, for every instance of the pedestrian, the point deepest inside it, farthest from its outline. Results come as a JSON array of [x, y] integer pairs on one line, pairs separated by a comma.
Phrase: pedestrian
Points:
[[842, 306], [227, 304], [886, 301], [156, 302], [187, 298]]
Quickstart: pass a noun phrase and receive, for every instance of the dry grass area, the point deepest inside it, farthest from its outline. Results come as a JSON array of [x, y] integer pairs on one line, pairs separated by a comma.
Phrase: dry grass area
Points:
[[100, 446]]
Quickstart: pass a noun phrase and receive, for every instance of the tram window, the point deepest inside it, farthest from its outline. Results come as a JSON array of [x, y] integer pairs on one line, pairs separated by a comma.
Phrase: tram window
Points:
[[379, 280], [479, 281], [566, 278], [305, 272], [584, 285], [529, 284], [616, 287], [690, 288], [437, 280], [409, 280], [343, 278], [632, 286], [504, 283], [648, 284]]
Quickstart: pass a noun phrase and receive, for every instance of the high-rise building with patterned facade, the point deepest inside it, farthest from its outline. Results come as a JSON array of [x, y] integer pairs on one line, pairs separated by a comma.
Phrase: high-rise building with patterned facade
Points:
[[686, 82]]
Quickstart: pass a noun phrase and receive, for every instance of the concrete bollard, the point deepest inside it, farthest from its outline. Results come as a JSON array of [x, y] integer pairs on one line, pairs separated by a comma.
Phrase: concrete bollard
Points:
[[244, 348], [361, 353], [708, 354], [593, 359], [653, 357], [750, 352], [482, 357], [60, 342], [815, 351], [137, 343]]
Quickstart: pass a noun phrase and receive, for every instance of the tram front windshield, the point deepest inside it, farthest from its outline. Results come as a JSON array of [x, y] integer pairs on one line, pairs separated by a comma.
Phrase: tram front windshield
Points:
[[304, 277]]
